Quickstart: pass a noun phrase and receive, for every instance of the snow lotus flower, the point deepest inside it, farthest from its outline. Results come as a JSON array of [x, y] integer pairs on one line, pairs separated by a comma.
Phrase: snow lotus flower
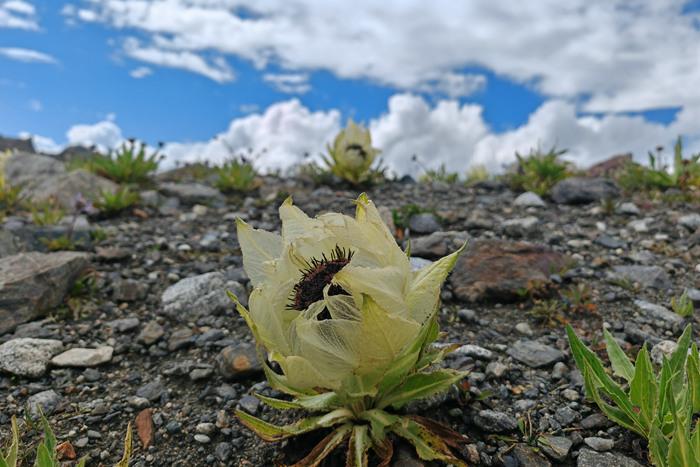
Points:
[[336, 306], [352, 155]]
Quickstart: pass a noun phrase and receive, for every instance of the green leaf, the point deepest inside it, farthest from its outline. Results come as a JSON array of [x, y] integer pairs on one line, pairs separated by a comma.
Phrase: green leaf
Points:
[[694, 377], [270, 432], [428, 445], [379, 421], [358, 446], [325, 447], [49, 437], [621, 365], [643, 388], [317, 403], [43, 457], [679, 356], [679, 449], [418, 386], [658, 447], [615, 414], [10, 458], [128, 445]]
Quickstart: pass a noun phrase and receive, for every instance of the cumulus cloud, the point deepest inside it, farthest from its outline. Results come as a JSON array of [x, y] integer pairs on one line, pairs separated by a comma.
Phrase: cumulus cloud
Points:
[[105, 134], [624, 55], [216, 69], [26, 55], [140, 72], [289, 83], [18, 14]]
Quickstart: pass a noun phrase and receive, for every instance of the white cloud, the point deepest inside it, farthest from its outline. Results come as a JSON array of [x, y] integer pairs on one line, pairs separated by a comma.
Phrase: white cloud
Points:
[[289, 83], [216, 69], [26, 55], [454, 85], [42, 144], [624, 55], [18, 14], [279, 137], [105, 134], [140, 72]]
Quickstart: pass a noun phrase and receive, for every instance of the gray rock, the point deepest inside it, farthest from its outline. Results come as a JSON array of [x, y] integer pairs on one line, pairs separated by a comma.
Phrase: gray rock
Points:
[[690, 221], [661, 350], [191, 193], [33, 283], [594, 421], [124, 324], [81, 357], [424, 223], [438, 244], [152, 391], [150, 333], [65, 188], [196, 296], [599, 444], [694, 296], [25, 169], [10, 244], [44, 402], [628, 208], [556, 447], [527, 456], [28, 357], [566, 415], [581, 190], [529, 200], [202, 439], [16, 144], [238, 361], [657, 312], [590, 458], [648, 276], [520, 226], [535, 354], [610, 242], [474, 351], [223, 451], [496, 369], [250, 404], [129, 290], [492, 421]]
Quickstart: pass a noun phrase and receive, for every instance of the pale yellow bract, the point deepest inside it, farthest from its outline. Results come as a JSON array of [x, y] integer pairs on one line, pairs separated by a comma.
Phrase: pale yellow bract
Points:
[[386, 309], [352, 155]]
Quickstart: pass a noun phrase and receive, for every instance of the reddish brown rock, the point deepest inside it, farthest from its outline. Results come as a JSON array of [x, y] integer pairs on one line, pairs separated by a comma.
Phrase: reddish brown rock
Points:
[[609, 167], [144, 427], [498, 270]]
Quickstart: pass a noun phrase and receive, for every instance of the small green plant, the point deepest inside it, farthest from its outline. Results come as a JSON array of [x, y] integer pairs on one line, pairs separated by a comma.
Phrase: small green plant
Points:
[[476, 174], [659, 407], [352, 156], [112, 203], [683, 306], [539, 172], [46, 213], [439, 175], [9, 195], [237, 176], [129, 164]]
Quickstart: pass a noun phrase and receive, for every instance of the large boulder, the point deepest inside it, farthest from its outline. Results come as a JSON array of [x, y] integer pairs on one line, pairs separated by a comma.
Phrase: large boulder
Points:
[[582, 190], [191, 193], [26, 169], [610, 166], [16, 144], [498, 270], [31, 284]]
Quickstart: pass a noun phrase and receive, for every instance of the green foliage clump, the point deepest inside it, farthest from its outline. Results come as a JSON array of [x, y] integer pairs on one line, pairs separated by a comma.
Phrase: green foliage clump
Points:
[[683, 306], [129, 164], [352, 156], [47, 454], [112, 203], [439, 175], [658, 176], [477, 173], [539, 172], [237, 176], [46, 213], [660, 407]]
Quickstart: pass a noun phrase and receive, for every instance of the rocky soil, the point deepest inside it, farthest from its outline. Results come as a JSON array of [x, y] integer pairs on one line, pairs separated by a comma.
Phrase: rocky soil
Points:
[[152, 339]]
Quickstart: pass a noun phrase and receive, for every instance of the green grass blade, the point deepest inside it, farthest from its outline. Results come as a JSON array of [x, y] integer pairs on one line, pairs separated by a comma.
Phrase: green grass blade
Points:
[[643, 388], [128, 446], [621, 365], [694, 377], [420, 385], [270, 432], [10, 459]]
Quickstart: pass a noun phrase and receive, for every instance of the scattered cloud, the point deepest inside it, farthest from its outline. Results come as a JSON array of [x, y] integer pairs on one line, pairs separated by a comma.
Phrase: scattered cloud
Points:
[[105, 134], [18, 14], [454, 85], [140, 72], [26, 55], [42, 144], [289, 83], [216, 69]]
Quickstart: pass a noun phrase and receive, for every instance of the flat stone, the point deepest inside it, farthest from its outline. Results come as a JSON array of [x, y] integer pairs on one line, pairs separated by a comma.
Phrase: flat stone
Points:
[[23, 169], [44, 402], [590, 458], [424, 223], [150, 333], [658, 312], [535, 354], [129, 290], [519, 227], [152, 391], [610, 242], [599, 444], [191, 193], [28, 357], [438, 244], [238, 361], [653, 277], [31, 284], [497, 270], [82, 357], [197, 296], [556, 447], [65, 188], [475, 351], [492, 421], [528, 457], [628, 208], [582, 190], [529, 200], [690, 221], [124, 324]]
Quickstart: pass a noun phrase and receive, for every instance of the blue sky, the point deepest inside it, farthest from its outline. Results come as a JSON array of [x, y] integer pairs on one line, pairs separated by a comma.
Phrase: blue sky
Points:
[[191, 73]]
